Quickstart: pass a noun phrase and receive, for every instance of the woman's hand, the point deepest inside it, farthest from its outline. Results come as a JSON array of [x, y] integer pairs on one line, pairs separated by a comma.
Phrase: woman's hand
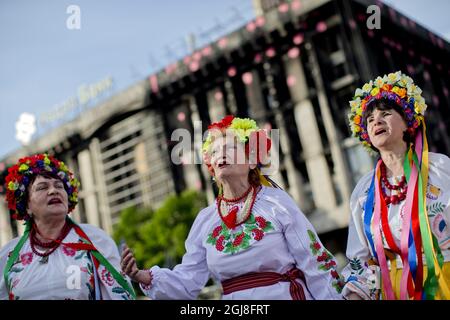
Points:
[[129, 267]]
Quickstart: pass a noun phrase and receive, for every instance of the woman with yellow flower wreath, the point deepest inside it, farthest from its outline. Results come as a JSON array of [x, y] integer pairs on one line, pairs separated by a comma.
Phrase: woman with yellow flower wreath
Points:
[[399, 239], [55, 258], [254, 239]]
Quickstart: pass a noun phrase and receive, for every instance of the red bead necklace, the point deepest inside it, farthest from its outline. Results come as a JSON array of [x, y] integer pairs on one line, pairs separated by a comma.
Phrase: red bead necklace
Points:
[[240, 198], [401, 188], [230, 219], [52, 245]]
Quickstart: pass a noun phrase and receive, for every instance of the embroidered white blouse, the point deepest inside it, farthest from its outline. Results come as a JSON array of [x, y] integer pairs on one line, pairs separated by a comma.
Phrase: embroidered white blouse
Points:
[[68, 274], [276, 237], [364, 280]]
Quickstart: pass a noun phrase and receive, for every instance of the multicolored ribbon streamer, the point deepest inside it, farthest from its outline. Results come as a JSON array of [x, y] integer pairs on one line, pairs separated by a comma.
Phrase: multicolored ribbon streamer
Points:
[[416, 233]]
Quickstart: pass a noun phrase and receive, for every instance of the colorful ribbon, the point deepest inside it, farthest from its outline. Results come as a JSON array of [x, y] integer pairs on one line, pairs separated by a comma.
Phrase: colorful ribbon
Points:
[[416, 233]]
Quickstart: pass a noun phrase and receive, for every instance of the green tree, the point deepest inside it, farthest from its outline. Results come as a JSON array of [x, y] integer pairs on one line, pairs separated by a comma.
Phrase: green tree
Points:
[[158, 237], [127, 229]]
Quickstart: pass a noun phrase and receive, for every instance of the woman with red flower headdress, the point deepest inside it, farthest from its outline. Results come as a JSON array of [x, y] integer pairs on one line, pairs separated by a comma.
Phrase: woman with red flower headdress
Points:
[[399, 240], [254, 239], [55, 258]]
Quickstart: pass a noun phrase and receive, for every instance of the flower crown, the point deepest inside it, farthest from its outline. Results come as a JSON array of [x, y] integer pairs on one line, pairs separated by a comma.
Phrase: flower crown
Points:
[[245, 129], [20, 175], [396, 87]]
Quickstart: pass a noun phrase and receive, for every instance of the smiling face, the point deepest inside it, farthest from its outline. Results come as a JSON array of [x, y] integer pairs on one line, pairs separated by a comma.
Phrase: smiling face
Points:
[[228, 158], [47, 197], [386, 128]]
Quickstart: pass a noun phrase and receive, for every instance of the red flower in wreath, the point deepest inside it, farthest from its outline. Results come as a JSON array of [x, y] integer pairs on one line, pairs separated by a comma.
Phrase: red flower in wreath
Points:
[[223, 124], [317, 245]]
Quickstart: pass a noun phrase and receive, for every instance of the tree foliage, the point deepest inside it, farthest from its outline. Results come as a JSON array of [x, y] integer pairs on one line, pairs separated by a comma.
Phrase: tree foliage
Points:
[[157, 237]]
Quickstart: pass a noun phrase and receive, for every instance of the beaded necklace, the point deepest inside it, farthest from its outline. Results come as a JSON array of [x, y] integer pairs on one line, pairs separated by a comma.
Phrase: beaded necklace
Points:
[[399, 189], [231, 218], [51, 246]]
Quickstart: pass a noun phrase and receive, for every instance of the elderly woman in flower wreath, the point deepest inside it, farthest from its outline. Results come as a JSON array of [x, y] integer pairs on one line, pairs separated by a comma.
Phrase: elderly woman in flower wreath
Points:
[[399, 239], [253, 239], [55, 258]]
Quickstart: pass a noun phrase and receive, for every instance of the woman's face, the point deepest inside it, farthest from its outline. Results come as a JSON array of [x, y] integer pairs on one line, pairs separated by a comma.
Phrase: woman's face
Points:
[[47, 197], [228, 158], [386, 129]]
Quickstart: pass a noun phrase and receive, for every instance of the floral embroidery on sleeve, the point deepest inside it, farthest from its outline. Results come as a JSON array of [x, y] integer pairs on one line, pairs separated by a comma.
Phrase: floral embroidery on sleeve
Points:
[[326, 262], [437, 221], [356, 267], [241, 237]]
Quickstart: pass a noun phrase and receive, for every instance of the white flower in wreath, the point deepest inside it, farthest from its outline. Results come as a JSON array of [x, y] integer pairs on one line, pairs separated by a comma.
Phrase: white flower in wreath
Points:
[[359, 93], [394, 77], [410, 89], [379, 82], [355, 103], [367, 87]]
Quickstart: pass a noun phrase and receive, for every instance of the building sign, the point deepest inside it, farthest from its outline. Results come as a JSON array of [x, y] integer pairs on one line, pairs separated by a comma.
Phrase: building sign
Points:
[[85, 95]]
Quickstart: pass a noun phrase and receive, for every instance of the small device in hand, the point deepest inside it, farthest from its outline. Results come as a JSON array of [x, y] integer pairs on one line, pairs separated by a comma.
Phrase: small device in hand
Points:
[[122, 245]]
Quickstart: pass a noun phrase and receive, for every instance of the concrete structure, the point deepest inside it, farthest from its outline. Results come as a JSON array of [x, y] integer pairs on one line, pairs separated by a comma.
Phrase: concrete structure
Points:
[[294, 68]]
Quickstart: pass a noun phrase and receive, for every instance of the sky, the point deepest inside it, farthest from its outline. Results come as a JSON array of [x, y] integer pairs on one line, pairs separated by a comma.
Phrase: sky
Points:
[[43, 63]]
